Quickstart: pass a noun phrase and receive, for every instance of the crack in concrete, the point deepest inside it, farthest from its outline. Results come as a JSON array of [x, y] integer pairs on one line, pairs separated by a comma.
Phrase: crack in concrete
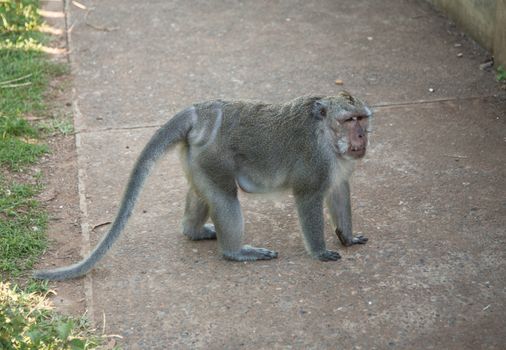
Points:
[[374, 106], [422, 102]]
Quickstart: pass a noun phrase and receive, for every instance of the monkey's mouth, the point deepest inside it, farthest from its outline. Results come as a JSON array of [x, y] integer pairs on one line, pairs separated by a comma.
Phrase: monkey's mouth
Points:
[[356, 152]]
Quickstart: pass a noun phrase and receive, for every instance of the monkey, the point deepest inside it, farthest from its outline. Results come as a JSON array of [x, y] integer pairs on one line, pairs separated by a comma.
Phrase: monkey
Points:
[[307, 146]]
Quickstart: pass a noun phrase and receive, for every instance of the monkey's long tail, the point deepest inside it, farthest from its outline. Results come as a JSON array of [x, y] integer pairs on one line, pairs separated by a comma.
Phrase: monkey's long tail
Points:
[[170, 134]]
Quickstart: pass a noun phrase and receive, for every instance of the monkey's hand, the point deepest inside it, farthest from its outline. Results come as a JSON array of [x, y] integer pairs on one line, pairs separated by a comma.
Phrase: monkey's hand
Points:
[[359, 240], [328, 255], [352, 240]]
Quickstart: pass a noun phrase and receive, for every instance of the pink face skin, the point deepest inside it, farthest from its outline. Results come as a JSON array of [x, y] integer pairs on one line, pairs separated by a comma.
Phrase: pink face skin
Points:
[[357, 136]]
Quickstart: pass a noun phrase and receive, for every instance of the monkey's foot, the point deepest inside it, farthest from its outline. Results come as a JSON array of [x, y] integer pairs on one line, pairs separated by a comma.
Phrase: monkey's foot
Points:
[[327, 255], [249, 253], [206, 232]]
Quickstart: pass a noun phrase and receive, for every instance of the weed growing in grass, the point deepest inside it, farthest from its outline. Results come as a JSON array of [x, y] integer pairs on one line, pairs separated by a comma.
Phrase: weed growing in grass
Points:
[[27, 321], [62, 126]]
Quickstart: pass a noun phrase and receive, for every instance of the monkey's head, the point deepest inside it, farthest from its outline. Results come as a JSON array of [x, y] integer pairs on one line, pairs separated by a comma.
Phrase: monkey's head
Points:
[[349, 119]]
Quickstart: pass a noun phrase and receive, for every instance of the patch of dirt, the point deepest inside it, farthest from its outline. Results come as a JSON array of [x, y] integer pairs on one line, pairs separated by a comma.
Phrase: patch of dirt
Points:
[[61, 200], [60, 176]]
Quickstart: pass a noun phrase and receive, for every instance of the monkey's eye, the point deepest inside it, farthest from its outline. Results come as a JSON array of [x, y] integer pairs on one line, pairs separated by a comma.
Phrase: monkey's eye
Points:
[[358, 118]]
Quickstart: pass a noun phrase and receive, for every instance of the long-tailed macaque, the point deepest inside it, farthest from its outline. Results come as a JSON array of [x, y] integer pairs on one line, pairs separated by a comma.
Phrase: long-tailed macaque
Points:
[[307, 146]]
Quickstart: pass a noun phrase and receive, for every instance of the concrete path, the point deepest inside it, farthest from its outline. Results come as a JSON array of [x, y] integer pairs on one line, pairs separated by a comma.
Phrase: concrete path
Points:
[[431, 194]]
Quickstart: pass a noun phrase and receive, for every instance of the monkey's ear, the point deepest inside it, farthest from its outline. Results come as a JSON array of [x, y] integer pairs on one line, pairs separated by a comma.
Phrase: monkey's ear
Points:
[[320, 109]]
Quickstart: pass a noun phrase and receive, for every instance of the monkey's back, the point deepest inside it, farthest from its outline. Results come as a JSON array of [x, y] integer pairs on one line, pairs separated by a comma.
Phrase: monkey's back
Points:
[[252, 141]]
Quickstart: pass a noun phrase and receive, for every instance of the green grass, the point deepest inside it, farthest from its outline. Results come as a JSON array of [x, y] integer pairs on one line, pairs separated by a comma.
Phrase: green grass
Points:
[[27, 320], [12, 126], [22, 225], [24, 75], [20, 98], [15, 153], [501, 73]]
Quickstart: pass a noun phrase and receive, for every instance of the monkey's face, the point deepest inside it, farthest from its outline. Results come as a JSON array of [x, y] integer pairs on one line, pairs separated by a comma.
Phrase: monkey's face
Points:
[[349, 120], [356, 129]]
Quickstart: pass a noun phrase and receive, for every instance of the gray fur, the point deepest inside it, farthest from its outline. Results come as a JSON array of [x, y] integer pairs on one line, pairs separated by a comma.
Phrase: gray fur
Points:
[[261, 148]]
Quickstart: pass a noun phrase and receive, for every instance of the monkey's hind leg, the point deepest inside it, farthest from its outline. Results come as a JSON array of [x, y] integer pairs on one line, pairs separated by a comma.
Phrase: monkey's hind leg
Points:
[[226, 214], [195, 216]]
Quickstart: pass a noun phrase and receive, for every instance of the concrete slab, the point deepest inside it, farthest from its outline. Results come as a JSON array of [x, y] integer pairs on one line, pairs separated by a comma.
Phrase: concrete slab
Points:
[[152, 58], [430, 194]]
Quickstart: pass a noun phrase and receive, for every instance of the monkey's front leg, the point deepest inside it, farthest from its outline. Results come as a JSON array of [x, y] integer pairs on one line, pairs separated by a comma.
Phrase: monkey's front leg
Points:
[[310, 210], [339, 203]]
